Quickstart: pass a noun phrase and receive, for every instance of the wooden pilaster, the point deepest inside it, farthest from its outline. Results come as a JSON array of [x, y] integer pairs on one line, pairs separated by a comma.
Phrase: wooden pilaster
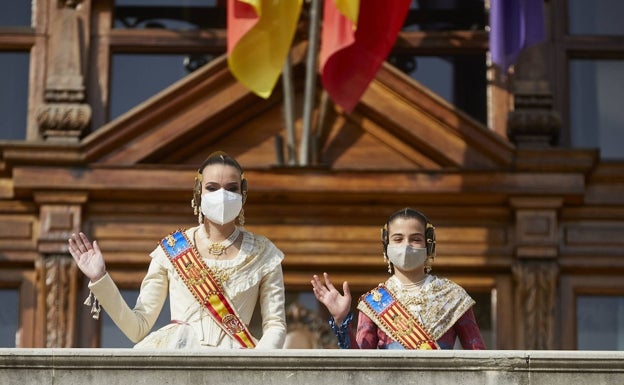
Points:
[[57, 275], [536, 271]]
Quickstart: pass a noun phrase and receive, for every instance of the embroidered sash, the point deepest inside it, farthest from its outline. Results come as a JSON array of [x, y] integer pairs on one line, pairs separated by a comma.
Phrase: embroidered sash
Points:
[[394, 319], [200, 281]]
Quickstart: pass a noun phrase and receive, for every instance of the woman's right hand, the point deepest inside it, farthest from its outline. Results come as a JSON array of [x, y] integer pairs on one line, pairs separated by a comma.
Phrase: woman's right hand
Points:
[[88, 256], [337, 304]]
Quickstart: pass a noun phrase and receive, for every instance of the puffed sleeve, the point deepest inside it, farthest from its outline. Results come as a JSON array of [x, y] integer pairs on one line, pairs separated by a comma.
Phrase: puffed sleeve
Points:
[[272, 301], [135, 323]]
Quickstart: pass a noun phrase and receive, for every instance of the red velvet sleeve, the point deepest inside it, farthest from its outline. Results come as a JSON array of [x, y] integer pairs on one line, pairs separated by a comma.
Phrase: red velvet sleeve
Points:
[[366, 337], [466, 330]]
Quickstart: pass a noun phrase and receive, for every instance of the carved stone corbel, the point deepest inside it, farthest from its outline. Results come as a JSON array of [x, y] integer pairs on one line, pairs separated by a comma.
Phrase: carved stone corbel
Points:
[[64, 116]]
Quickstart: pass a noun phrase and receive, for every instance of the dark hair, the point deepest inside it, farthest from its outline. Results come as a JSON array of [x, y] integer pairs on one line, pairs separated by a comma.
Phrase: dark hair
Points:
[[217, 157], [408, 213]]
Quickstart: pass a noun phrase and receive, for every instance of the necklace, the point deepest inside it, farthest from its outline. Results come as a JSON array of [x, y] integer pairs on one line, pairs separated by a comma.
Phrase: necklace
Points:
[[218, 248], [414, 284]]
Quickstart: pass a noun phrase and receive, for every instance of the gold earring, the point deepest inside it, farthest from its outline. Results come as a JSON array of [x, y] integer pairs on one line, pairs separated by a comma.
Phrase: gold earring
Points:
[[241, 217], [197, 211], [389, 263], [428, 267]]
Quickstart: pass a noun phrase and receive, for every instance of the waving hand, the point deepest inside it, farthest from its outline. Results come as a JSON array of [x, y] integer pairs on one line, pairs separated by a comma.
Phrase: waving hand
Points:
[[88, 256], [337, 304]]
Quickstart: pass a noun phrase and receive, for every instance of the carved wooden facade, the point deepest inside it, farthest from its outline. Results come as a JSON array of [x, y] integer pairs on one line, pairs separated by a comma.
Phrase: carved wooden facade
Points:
[[531, 223]]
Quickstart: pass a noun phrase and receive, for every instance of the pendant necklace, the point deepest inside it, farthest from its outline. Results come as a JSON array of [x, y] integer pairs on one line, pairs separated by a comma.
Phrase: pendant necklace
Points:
[[218, 248]]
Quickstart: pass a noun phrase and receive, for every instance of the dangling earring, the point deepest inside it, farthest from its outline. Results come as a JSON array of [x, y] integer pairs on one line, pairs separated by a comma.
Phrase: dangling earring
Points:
[[197, 193], [197, 211], [389, 264], [428, 267], [241, 217]]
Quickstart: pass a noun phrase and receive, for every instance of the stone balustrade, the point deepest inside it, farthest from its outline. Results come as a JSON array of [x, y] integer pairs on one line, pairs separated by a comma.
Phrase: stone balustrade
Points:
[[299, 367]]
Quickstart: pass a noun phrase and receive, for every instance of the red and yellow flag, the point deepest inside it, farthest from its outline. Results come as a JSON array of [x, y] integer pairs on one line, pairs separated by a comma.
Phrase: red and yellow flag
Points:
[[356, 38], [259, 35]]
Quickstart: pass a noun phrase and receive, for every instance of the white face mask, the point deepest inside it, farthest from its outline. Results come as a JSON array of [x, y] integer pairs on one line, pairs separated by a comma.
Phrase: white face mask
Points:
[[406, 257], [221, 206]]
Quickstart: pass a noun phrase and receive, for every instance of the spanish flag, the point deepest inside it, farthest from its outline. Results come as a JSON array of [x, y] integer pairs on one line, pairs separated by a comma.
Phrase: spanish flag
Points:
[[259, 35], [354, 44]]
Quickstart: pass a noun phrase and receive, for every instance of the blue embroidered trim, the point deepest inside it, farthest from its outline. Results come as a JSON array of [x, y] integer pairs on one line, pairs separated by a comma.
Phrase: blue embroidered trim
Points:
[[342, 331]]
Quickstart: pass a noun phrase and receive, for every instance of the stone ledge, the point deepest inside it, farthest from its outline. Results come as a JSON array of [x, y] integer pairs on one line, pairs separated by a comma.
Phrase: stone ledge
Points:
[[281, 367]]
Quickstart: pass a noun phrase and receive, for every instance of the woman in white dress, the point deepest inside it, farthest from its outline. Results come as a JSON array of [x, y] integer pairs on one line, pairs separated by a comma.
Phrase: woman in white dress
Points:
[[243, 268]]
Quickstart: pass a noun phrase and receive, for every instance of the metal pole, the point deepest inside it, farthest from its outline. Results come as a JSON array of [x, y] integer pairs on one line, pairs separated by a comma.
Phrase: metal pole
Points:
[[322, 127], [289, 111], [310, 83]]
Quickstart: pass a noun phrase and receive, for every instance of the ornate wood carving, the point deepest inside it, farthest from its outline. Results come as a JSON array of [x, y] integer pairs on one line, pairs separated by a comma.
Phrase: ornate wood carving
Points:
[[59, 277], [533, 123], [64, 115], [536, 270], [59, 216], [536, 286]]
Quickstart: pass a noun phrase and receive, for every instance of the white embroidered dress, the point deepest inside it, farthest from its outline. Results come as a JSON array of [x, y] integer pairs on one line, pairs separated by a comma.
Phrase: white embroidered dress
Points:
[[255, 274]]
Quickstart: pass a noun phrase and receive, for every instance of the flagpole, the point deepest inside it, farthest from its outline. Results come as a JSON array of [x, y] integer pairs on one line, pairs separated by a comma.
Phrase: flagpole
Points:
[[310, 83], [289, 111], [322, 129]]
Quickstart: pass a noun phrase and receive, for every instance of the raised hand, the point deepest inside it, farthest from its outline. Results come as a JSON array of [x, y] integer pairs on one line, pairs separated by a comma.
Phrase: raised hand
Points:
[[337, 304], [88, 256]]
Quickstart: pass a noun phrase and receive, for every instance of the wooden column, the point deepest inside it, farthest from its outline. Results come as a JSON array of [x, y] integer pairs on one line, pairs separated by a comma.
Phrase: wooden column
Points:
[[57, 274], [536, 271], [64, 115]]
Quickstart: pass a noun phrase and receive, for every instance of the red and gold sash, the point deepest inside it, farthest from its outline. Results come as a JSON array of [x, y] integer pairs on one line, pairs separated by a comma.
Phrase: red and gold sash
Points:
[[199, 279], [394, 319]]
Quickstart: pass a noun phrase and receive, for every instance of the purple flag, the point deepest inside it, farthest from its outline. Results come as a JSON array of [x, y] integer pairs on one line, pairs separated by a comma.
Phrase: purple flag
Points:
[[514, 25]]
